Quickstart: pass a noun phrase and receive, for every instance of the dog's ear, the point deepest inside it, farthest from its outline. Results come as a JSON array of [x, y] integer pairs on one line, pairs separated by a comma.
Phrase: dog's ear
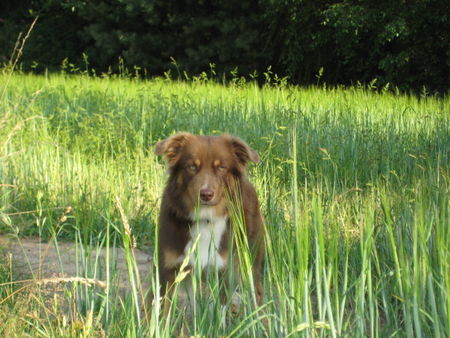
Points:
[[242, 151], [172, 146]]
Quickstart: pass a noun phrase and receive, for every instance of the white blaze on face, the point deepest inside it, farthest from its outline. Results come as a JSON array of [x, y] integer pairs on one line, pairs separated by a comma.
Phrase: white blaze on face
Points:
[[209, 229]]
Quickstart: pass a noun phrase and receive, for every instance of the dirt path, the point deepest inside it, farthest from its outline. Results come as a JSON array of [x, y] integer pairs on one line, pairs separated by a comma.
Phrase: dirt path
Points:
[[32, 259]]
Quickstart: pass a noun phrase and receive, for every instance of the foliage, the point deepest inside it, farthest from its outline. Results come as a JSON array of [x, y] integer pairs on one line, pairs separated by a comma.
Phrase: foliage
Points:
[[404, 43]]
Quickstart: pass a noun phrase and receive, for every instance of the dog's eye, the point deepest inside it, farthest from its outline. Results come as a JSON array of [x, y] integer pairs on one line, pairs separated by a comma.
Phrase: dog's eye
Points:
[[222, 168], [192, 167]]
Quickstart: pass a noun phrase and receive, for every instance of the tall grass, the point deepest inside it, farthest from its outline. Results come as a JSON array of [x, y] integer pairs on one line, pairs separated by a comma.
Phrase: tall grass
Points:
[[353, 184]]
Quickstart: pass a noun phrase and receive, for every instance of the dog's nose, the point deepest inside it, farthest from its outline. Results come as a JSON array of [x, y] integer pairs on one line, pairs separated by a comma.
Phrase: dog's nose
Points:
[[206, 194]]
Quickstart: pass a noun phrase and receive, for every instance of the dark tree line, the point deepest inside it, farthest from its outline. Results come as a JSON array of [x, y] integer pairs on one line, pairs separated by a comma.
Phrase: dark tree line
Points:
[[403, 42]]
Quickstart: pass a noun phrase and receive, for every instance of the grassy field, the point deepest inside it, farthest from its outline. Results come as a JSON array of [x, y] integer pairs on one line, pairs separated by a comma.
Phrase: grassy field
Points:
[[354, 187]]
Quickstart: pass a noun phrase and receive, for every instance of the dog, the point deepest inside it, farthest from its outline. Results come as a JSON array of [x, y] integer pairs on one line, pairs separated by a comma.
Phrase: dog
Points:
[[206, 173]]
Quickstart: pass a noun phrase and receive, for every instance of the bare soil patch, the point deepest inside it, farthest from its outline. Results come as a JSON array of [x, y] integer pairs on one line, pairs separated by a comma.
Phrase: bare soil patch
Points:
[[33, 259]]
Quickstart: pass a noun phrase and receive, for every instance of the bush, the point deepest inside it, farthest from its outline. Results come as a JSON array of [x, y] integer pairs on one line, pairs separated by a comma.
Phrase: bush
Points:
[[397, 42]]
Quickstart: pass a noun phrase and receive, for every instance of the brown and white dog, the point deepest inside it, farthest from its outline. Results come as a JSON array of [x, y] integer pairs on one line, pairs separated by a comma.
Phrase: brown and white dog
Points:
[[203, 171]]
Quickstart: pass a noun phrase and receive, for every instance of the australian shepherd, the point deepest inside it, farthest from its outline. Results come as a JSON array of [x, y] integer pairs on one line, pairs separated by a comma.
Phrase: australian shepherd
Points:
[[206, 173]]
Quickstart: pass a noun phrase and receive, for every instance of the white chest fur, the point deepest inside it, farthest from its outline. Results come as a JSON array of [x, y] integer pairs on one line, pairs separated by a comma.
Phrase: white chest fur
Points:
[[207, 230]]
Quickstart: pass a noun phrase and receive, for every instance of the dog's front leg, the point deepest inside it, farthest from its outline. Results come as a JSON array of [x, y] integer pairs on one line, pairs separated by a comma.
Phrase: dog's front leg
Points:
[[167, 278]]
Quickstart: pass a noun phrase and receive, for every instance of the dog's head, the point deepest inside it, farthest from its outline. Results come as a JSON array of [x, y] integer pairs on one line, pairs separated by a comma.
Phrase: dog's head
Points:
[[202, 167]]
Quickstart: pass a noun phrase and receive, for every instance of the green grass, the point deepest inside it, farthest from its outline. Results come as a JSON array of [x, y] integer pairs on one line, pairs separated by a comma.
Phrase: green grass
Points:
[[353, 184]]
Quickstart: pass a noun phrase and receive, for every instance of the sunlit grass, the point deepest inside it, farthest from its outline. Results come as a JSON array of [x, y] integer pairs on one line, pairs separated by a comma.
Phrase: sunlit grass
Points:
[[353, 185]]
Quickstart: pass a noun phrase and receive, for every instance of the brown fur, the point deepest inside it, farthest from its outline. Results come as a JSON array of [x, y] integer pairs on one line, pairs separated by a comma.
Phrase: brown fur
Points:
[[201, 167]]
